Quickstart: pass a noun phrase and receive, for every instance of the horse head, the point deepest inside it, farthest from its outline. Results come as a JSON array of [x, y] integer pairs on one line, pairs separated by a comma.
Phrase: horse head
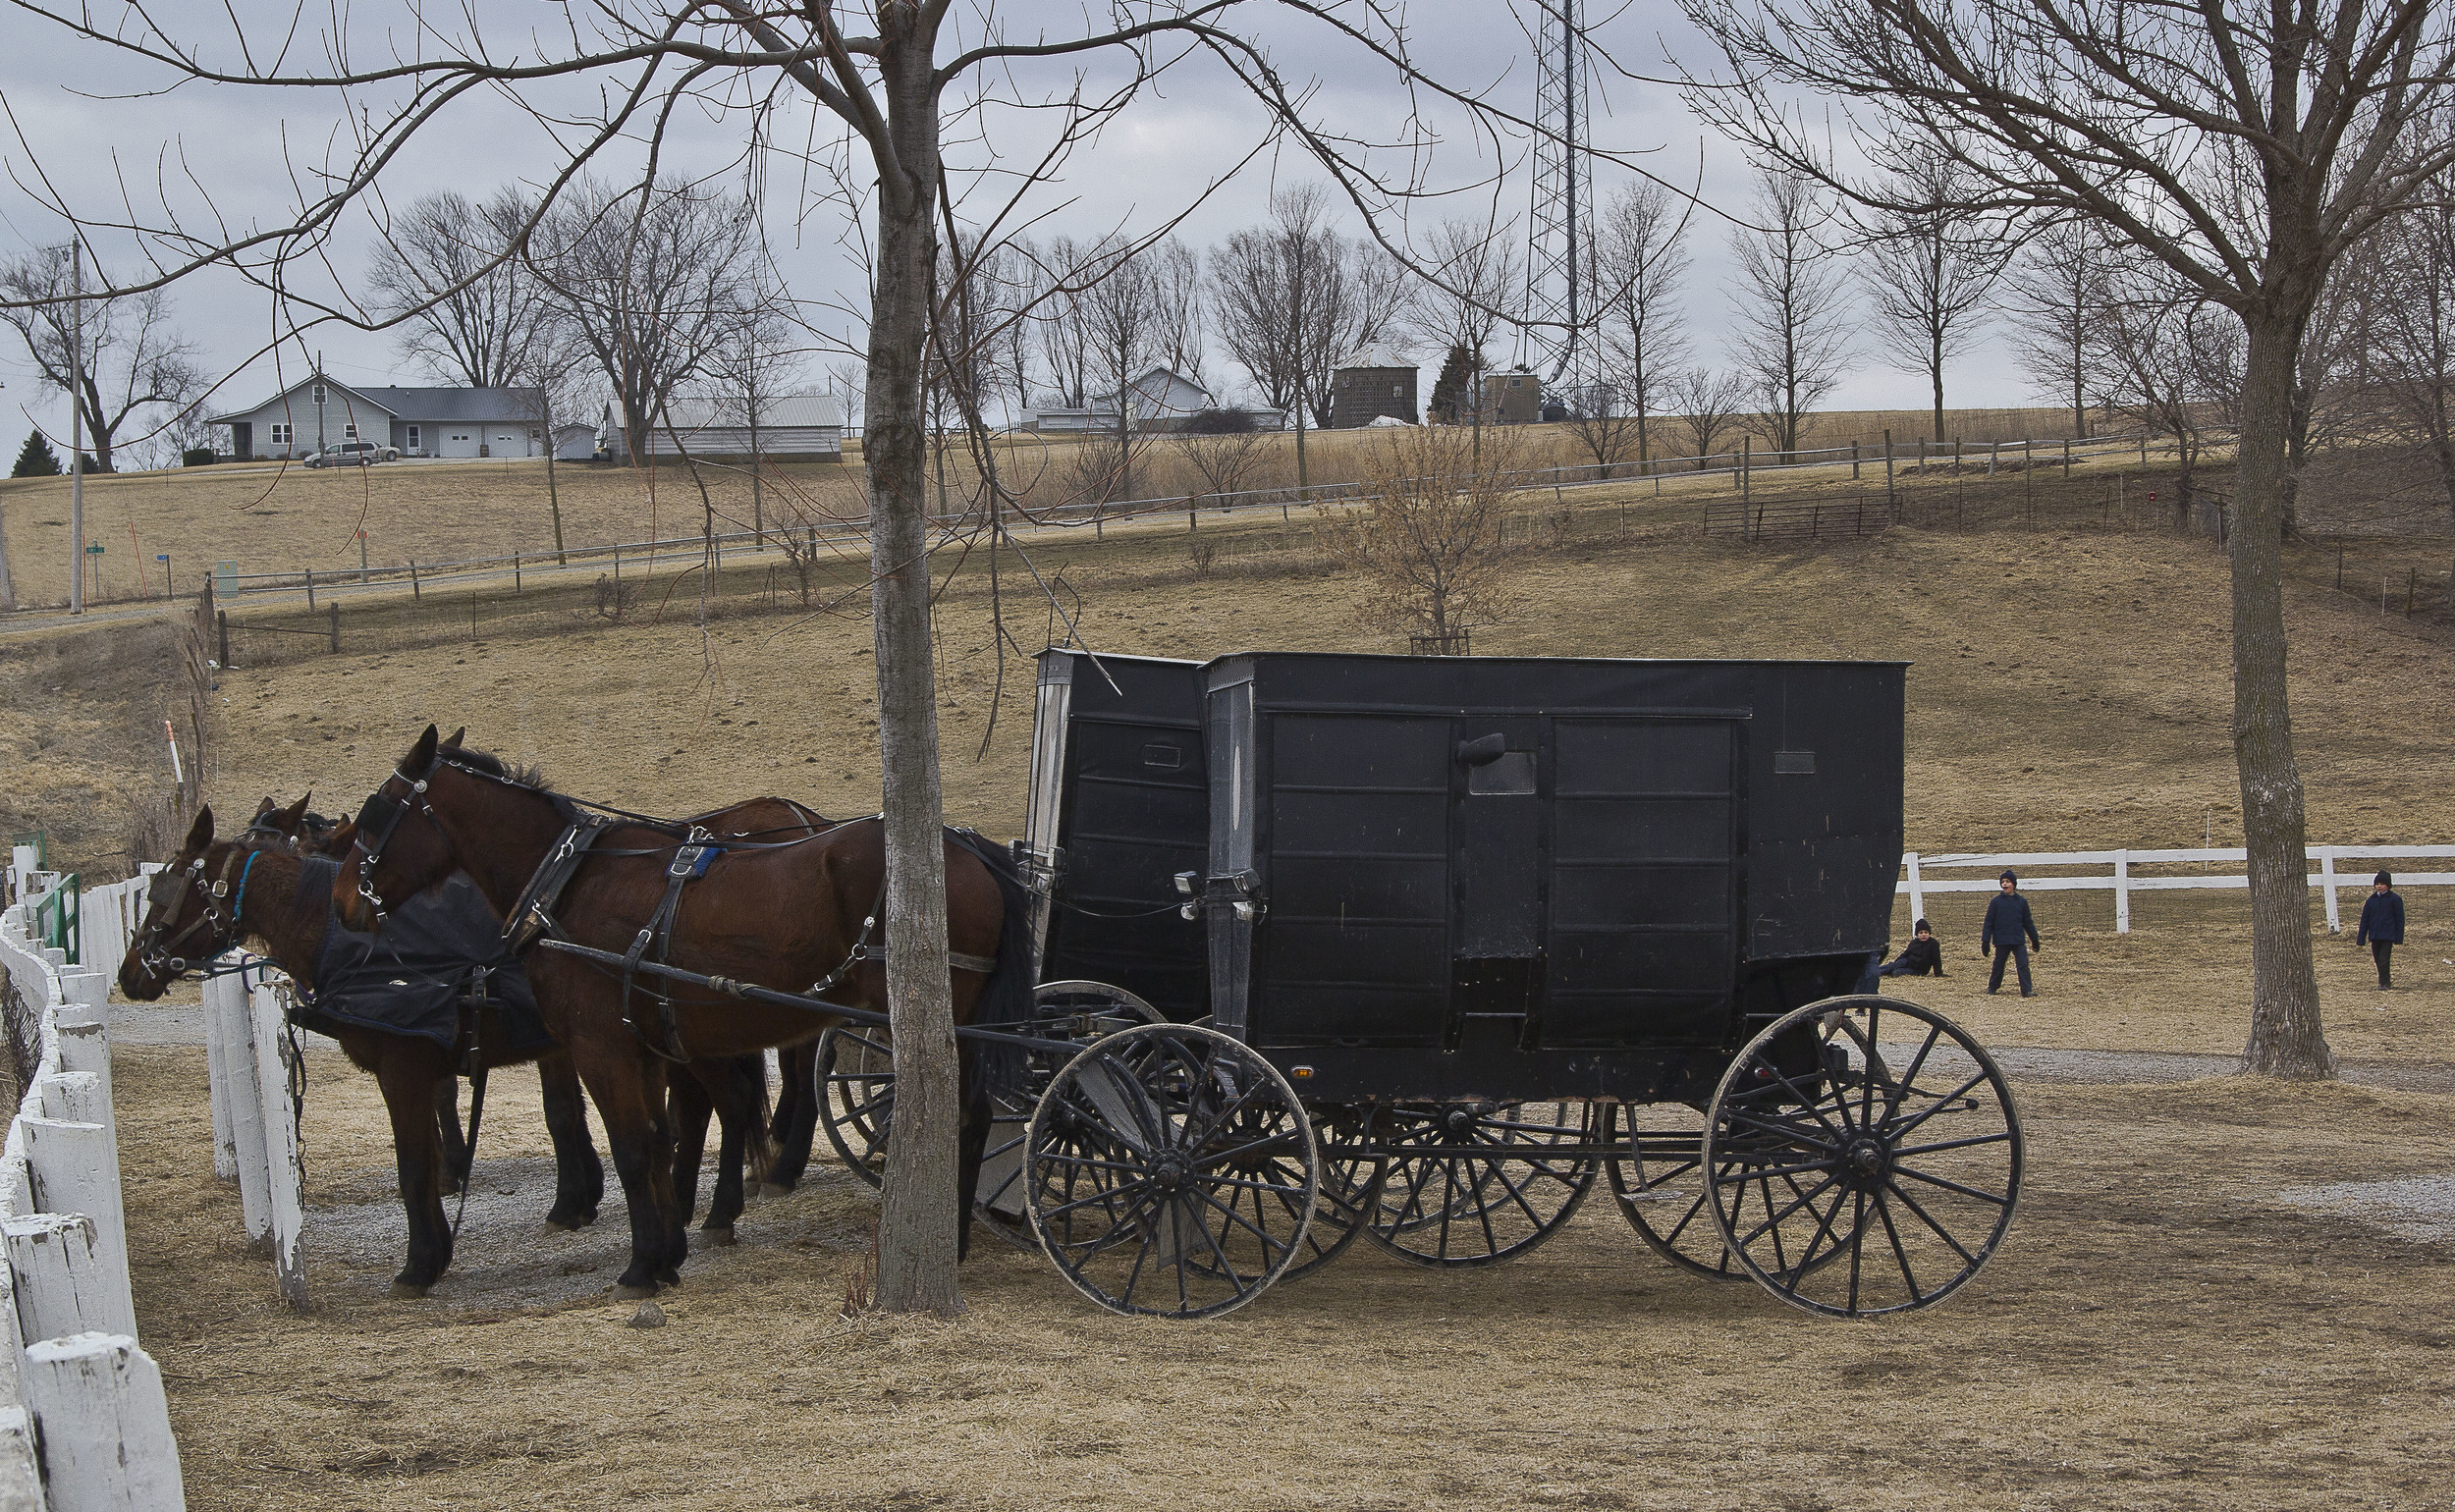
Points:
[[194, 909]]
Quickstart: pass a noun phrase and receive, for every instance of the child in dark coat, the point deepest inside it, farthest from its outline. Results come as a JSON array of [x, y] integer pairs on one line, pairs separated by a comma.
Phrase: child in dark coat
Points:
[[2011, 932], [1922, 959], [2383, 924]]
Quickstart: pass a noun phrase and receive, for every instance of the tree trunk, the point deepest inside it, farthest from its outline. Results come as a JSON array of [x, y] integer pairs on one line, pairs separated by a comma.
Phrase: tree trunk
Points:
[[917, 1222], [2285, 1035], [1934, 371]]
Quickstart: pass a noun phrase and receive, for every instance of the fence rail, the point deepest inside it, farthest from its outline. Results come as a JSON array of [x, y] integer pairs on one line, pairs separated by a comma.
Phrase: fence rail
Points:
[[2122, 882]]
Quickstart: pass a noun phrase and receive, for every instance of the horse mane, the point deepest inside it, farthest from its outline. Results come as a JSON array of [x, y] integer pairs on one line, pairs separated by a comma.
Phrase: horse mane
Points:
[[525, 773]]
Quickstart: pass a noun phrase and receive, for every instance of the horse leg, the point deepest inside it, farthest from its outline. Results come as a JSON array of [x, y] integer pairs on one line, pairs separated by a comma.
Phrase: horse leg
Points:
[[740, 1090], [796, 1116], [687, 1105], [456, 1151], [408, 1078], [978, 1114], [578, 1176], [629, 1088]]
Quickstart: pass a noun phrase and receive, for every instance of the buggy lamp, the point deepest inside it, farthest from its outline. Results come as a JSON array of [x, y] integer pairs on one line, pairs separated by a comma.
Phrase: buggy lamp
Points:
[[1247, 911], [1302, 1073], [1186, 882]]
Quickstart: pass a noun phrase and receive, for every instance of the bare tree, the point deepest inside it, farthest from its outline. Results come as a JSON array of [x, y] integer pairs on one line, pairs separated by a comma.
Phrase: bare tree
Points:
[[1065, 268], [2243, 147], [1293, 299], [1430, 535], [2175, 360], [2409, 265], [1932, 270], [1791, 344], [2059, 288], [1476, 285], [652, 280], [1707, 401], [447, 269], [1225, 448], [1604, 422], [135, 362], [753, 361], [1642, 259]]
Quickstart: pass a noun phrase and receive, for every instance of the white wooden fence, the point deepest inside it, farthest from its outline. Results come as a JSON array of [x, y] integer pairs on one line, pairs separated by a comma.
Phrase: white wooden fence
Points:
[[2122, 881], [251, 1061], [85, 1426]]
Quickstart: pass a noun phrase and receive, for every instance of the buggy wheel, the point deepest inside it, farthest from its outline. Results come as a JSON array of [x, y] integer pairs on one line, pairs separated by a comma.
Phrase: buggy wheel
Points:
[[1472, 1184], [1659, 1186], [1170, 1172], [1082, 1011], [856, 1096], [1351, 1184], [1847, 1187]]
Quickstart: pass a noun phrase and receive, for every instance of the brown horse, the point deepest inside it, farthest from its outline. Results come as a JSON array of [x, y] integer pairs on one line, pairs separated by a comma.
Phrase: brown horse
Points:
[[781, 917], [218, 894], [734, 1091]]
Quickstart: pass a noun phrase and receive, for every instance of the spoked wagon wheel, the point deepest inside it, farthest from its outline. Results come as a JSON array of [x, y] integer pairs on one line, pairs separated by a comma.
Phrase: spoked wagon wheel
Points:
[[856, 1096], [1864, 1156], [1171, 1173], [1475, 1183], [1659, 1186], [1351, 1185], [1082, 1011]]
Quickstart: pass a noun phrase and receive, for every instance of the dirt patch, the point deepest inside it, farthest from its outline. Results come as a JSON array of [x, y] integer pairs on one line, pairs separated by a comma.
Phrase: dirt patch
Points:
[[2163, 1327]]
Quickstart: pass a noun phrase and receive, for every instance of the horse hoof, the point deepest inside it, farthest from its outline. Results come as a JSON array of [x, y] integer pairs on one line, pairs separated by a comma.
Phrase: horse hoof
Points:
[[404, 1291], [720, 1236], [635, 1293], [775, 1189]]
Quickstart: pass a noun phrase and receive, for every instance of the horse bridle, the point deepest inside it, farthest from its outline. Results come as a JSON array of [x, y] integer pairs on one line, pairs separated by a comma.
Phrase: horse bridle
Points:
[[153, 953], [375, 834]]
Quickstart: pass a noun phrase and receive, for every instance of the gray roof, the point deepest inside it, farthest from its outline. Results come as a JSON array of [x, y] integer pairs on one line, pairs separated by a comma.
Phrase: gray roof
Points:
[[782, 412], [440, 405]]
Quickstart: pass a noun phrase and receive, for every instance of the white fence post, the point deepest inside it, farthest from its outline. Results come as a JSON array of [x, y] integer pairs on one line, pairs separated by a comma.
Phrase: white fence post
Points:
[[2122, 891], [106, 1426], [2326, 885], [63, 1282], [246, 1109], [76, 1169], [281, 1143], [1917, 889], [20, 1472], [217, 1080]]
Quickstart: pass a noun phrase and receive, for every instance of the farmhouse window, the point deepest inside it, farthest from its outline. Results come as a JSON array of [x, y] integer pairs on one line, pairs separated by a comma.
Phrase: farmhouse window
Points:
[[412, 438], [318, 395], [1397, 390], [350, 432], [280, 434]]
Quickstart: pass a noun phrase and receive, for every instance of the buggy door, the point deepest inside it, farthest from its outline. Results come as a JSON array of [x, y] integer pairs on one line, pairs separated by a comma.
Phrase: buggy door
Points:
[[1645, 881]]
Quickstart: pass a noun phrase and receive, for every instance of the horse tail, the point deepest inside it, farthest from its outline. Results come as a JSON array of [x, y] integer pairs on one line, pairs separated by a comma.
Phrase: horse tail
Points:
[[1006, 998], [758, 1149]]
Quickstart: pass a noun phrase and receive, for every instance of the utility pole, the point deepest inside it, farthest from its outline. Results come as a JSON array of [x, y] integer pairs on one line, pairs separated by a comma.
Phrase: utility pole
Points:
[[319, 405], [77, 426]]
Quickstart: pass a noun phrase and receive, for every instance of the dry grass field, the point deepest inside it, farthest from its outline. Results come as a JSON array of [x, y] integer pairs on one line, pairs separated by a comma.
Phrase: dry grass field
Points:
[[2169, 1326], [269, 518]]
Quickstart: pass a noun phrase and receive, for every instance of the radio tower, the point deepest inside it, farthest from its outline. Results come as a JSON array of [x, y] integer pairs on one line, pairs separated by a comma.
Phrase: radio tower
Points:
[[1561, 280]]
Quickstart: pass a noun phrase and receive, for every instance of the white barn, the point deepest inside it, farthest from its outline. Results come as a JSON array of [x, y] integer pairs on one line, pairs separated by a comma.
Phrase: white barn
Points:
[[792, 428], [319, 413], [1160, 399]]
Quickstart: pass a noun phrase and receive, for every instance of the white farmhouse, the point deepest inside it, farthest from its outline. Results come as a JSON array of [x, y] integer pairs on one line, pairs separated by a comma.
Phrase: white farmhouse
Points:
[[319, 413], [1160, 401]]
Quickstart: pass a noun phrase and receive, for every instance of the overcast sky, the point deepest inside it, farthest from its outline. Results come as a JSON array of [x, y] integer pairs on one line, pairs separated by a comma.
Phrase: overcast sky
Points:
[[241, 156]]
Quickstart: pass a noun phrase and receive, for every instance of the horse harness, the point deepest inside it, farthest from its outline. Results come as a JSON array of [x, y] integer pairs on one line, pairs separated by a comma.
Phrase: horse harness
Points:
[[154, 952], [531, 919]]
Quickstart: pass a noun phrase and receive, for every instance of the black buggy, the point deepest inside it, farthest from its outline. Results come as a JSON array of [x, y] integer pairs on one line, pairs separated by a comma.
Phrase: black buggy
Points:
[[1418, 948]]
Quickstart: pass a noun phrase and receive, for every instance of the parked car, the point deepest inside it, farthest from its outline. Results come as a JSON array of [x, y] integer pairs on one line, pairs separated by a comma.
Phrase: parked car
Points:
[[354, 454]]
